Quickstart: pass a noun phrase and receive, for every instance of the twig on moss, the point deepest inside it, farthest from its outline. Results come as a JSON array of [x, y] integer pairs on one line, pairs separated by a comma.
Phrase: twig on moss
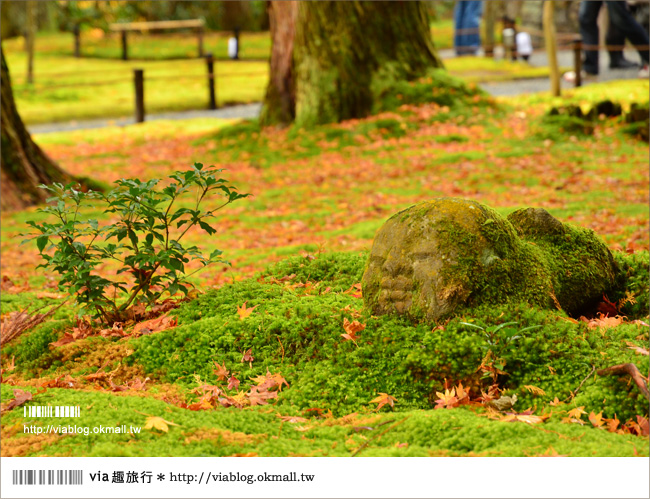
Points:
[[575, 392], [631, 370], [379, 436]]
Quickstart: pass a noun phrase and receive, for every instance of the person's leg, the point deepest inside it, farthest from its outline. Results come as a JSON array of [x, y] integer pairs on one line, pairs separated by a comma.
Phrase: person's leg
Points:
[[588, 16], [615, 38], [622, 18], [459, 27], [474, 11]]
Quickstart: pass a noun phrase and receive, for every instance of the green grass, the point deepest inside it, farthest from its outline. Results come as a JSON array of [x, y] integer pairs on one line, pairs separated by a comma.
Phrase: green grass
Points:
[[67, 89], [171, 45]]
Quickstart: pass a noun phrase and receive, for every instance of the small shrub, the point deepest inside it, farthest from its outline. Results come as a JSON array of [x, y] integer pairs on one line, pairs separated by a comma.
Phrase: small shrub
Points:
[[145, 239]]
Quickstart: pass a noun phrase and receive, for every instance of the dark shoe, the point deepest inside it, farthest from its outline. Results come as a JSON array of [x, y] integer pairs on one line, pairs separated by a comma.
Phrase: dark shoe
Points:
[[623, 64]]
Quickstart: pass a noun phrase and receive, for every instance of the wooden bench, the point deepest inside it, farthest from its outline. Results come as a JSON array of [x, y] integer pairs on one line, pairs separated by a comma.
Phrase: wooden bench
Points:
[[124, 28]]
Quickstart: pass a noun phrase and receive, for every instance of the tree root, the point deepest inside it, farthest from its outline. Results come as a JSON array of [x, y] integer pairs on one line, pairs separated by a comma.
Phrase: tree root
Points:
[[633, 371]]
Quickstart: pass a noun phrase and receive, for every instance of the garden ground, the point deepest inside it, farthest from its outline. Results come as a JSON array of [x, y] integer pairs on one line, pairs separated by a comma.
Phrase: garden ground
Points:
[[319, 196]]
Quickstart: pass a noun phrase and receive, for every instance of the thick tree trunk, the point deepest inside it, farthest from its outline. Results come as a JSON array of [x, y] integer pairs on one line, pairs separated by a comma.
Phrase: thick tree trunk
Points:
[[280, 100], [23, 165], [342, 55]]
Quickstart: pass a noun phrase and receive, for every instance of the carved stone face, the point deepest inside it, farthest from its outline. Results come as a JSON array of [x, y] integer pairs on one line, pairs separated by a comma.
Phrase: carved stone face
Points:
[[408, 269], [435, 256]]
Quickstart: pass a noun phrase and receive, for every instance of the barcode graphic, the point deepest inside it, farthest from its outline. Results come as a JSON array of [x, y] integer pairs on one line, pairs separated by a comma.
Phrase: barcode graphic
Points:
[[48, 477], [48, 411]]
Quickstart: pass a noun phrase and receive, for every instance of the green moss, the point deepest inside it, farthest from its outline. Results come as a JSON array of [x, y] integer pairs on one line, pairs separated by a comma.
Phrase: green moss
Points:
[[296, 330], [437, 86], [225, 432], [581, 267]]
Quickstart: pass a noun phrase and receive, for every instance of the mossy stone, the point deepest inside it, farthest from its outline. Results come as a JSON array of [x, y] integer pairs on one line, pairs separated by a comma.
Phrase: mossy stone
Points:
[[582, 267], [437, 257]]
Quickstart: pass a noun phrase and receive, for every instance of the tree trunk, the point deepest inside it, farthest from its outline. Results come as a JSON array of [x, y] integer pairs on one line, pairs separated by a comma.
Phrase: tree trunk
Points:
[[342, 54], [280, 99], [549, 41], [23, 165], [29, 39]]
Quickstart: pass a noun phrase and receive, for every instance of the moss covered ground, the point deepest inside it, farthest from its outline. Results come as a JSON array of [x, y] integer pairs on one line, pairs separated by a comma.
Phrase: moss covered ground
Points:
[[298, 249]]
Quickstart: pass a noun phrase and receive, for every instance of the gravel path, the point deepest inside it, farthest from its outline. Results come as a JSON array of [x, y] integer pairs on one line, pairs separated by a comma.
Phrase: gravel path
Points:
[[516, 87]]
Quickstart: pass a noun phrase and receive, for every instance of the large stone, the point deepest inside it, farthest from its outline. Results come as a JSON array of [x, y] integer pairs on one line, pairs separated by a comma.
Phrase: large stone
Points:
[[437, 257]]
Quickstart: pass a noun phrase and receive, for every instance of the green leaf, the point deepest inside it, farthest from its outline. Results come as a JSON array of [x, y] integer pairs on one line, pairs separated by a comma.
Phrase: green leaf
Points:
[[208, 228], [41, 242]]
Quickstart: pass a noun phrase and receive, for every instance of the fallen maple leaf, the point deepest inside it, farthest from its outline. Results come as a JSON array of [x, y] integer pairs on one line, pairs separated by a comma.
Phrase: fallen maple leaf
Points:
[[524, 418], [351, 329], [248, 356], [446, 400], [158, 423], [244, 312], [577, 412], [269, 381], [233, 383], [292, 419], [551, 452], [20, 397], [63, 381], [220, 372], [556, 401], [643, 425], [596, 419], [637, 349], [239, 400], [603, 321], [382, 400], [354, 291], [612, 424], [154, 325]]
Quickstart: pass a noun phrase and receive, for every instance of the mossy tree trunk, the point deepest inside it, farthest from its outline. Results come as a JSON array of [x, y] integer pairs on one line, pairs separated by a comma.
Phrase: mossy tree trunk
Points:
[[24, 166], [342, 55], [280, 99]]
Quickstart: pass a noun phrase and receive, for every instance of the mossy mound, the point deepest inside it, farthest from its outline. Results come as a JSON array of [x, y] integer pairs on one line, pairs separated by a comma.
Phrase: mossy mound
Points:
[[436, 257], [437, 86], [581, 267], [295, 330]]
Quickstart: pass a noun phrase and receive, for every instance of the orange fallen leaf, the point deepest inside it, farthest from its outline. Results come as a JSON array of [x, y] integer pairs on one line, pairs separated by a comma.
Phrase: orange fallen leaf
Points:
[[158, 423], [354, 291], [382, 400], [248, 356], [637, 349], [154, 325], [292, 419], [577, 412], [596, 419], [244, 311], [351, 329], [525, 418], [612, 424], [603, 321], [220, 371], [20, 397]]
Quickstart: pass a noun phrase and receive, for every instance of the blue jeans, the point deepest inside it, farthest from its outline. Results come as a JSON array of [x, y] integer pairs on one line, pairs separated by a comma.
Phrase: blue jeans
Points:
[[621, 19], [467, 17]]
